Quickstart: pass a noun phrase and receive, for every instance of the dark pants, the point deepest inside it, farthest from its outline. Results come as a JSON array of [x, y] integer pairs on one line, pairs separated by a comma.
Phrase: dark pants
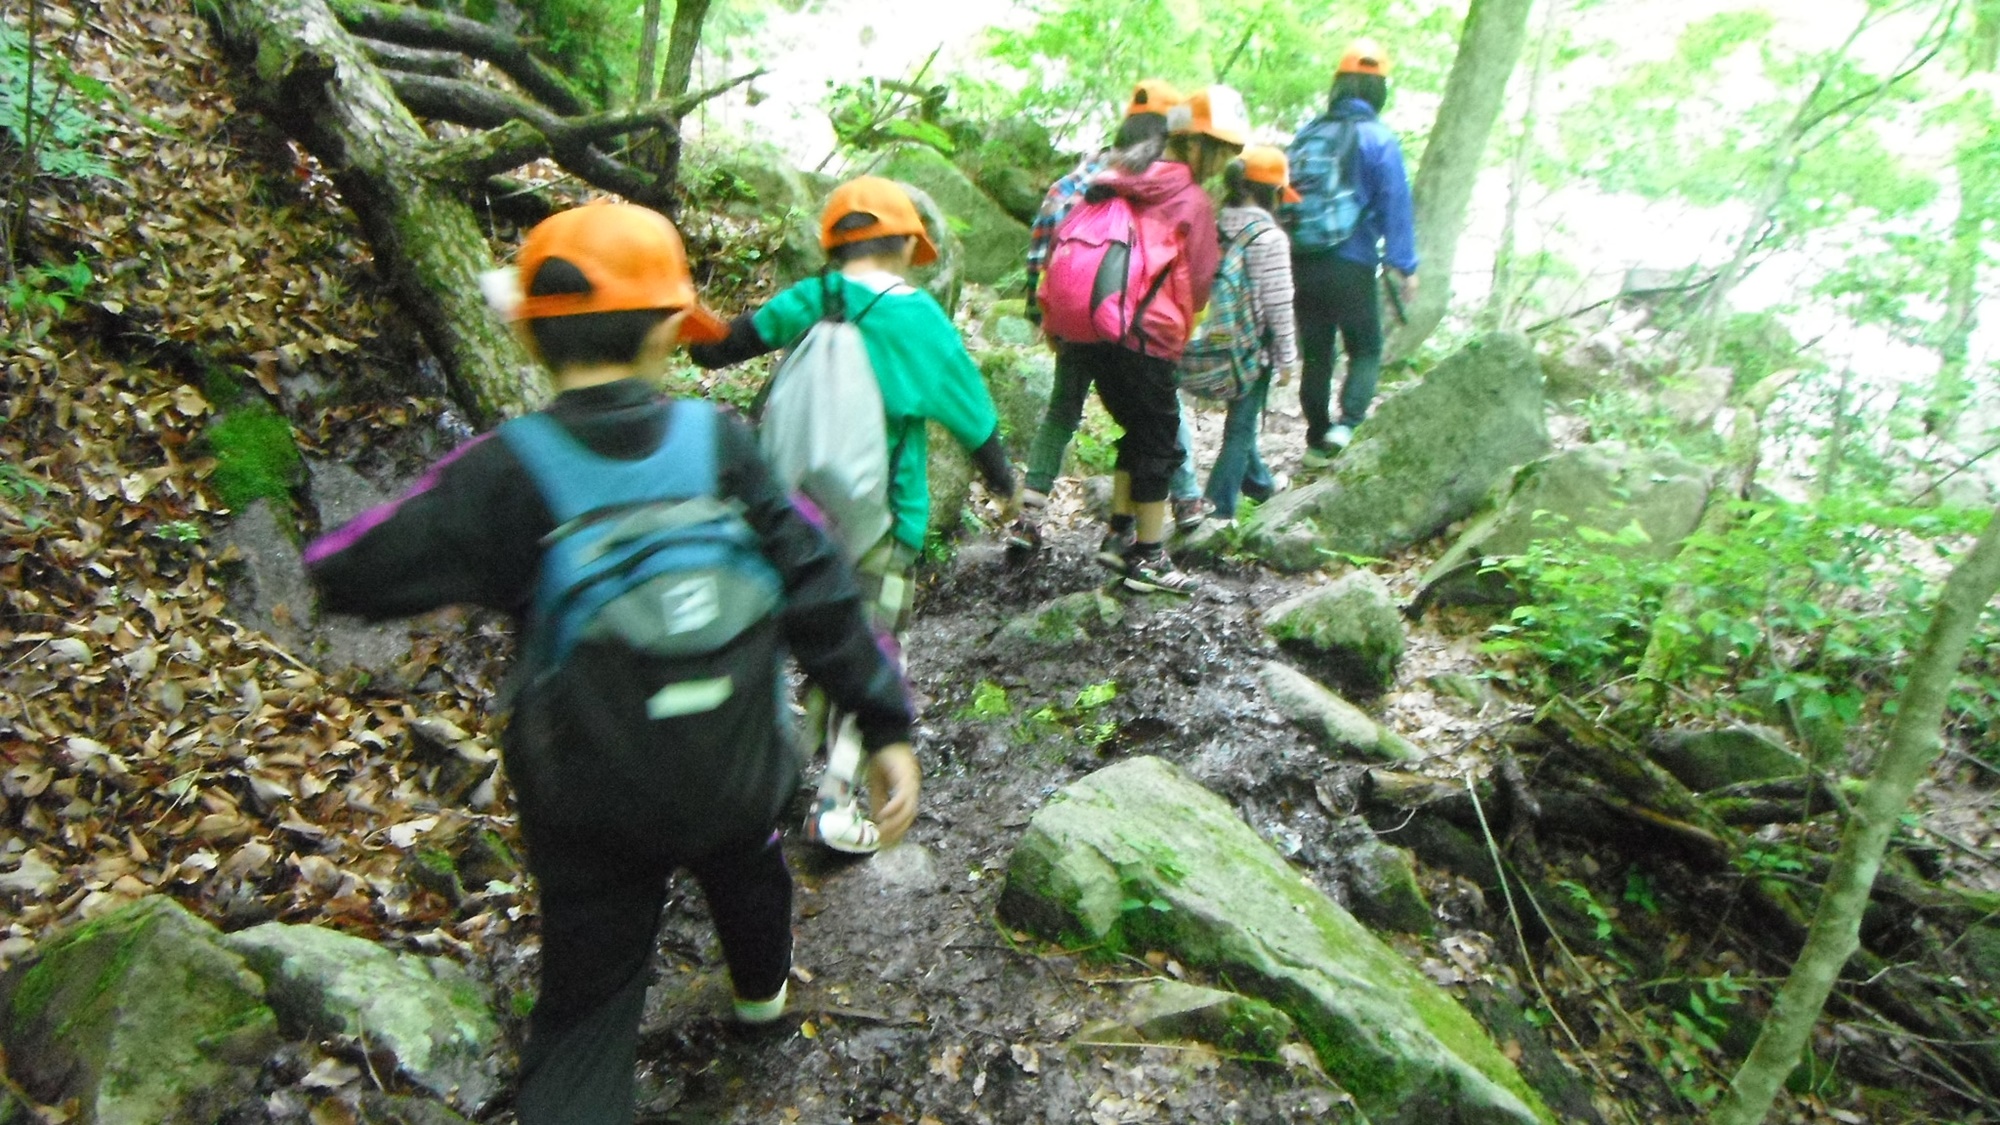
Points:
[[1139, 392], [1066, 397], [599, 920], [1334, 294]]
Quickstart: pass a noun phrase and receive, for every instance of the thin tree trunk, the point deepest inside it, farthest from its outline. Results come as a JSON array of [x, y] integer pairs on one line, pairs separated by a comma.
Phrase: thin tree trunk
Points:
[[1499, 312], [1488, 48], [1978, 197], [683, 37], [649, 51], [1912, 746]]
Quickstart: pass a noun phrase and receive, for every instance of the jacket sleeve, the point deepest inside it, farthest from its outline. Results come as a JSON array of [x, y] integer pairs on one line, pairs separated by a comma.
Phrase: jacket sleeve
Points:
[[468, 532], [743, 342], [1390, 191], [1271, 271], [823, 621]]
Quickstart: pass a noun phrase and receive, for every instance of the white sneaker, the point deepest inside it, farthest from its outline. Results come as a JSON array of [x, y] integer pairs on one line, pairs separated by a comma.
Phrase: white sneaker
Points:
[[842, 826], [1340, 436]]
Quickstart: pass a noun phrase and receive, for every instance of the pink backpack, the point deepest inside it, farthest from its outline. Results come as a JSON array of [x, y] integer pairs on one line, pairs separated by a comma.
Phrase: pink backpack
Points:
[[1113, 277]]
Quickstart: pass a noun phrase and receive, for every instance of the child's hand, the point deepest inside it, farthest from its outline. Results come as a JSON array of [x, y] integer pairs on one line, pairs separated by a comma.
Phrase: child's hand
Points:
[[893, 781]]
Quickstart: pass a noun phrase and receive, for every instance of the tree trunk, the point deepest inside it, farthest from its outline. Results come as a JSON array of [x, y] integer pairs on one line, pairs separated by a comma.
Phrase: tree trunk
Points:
[[1487, 50], [1913, 744], [308, 74], [649, 50], [1978, 199], [682, 39], [1499, 312]]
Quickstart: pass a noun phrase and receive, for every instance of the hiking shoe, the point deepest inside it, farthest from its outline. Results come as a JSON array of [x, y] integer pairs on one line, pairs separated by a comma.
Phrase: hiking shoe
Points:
[[1157, 574], [1189, 513], [842, 826], [1340, 436], [757, 1012], [1024, 537], [1318, 455], [1111, 553]]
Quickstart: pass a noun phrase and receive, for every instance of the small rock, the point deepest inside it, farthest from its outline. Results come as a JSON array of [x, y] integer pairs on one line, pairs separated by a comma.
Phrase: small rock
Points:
[[1350, 628], [907, 868]]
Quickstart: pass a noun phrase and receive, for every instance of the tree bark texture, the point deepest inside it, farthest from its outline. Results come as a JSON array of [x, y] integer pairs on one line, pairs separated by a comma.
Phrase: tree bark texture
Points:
[[1836, 927], [1488, 47], [308, 74]]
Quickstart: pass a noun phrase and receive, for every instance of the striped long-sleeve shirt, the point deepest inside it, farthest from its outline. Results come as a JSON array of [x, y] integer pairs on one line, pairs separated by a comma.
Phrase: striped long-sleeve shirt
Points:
[[1270, 264]]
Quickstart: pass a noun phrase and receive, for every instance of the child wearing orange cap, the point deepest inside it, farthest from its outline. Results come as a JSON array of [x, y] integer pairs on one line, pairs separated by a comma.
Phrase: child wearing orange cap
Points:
[[873, 234], [1139, 141], [1253, 185], [615, 788]]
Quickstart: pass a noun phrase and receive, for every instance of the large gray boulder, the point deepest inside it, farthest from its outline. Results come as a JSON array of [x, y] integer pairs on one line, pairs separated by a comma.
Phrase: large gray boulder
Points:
[[1349, 629], [1429, 457], [424, 1011], [755, 182], [1608, 487], [1139, 856], [141, 1016], [996, 243], [1710, 759]]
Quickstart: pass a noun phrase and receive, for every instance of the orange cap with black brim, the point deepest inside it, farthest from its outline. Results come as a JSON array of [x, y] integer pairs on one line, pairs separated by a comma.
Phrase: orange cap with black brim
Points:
[[632, 257], [884, 201]]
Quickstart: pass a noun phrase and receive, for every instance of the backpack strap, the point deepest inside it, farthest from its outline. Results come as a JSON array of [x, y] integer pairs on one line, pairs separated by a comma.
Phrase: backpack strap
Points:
[[577, 483]]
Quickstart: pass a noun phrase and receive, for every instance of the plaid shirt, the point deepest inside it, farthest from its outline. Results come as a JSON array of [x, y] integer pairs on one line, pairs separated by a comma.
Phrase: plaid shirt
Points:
[[1062, 196]]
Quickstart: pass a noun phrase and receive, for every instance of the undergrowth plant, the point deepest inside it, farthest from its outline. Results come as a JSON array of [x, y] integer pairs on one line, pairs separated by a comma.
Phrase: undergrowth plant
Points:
[[1810, 609]]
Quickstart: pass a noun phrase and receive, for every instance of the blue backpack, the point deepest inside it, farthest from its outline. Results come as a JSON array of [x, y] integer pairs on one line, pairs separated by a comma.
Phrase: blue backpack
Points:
[[1322, 159], [646, 554]]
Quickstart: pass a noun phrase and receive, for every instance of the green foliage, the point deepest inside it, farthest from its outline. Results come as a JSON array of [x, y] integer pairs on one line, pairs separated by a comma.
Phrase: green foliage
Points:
[[1074, 66], [1809, 607], [255, 457], [50, 289], [1096, 446], [1581, 897], [179, 531], [1077, 717], [989, 701], [39, 94], [18, 486]]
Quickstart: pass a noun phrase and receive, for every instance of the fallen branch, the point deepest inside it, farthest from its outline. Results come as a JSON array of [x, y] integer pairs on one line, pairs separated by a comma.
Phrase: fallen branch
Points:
[[420, 27]]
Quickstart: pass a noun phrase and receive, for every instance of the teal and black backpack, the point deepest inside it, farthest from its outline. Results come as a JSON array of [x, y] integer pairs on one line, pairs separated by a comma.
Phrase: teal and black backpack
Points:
[[1225, 355], [650, 680]]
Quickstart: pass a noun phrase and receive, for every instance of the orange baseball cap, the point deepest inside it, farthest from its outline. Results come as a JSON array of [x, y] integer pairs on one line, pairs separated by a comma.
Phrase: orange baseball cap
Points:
[[1154, 95], [1263, 164], [1365, 57], [1216, 111], [883, 200], [632, 257]]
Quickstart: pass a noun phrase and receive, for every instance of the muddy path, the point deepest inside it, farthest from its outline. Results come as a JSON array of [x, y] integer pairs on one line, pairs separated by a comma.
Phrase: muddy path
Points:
[[911, 1001]]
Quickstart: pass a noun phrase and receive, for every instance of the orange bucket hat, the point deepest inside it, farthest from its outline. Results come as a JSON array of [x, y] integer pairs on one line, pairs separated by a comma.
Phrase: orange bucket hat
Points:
[[1154, 95], [632, 257], [1365, 57], [1263, 164], [885, 202]]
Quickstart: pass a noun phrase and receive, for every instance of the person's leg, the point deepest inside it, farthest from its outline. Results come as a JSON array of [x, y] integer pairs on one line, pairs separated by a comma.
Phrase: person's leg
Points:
[[1314, 310], [1059, 422], [1359, 313], [1182, 484], [887, 593], [1239, 444], [597, 938], [749, 893], [1139, 392]]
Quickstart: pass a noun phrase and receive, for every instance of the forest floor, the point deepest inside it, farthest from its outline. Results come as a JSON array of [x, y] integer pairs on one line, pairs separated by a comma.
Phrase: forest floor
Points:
[[153, 744]]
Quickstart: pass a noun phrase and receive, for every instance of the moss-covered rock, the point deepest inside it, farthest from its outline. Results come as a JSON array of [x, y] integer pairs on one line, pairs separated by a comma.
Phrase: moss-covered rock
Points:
[[1020, 380], [1056, 626], [255, 457], [1607, 488], [753, 182], [1384, 893], [141, 1016], [1349, 629], [1340, 726], [426, 1012], [1139, 856], [996, 243], [1711, 759], [1169, 1010], [1429, 457]]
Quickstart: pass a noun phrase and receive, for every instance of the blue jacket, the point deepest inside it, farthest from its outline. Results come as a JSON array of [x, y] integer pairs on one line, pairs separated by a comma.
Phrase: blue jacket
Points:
[[1386, 232]]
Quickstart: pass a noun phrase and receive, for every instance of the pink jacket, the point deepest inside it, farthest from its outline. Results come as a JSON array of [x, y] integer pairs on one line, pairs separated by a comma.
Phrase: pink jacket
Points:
[[1166, 191]]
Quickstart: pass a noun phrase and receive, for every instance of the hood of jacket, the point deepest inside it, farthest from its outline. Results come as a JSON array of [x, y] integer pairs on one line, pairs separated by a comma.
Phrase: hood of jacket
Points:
[[1161, 181]]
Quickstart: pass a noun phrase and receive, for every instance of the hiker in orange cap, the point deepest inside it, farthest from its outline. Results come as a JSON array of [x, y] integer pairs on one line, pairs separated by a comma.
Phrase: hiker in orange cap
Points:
[[873, 234], [658, 578], [1140, 139], [1355, 216]]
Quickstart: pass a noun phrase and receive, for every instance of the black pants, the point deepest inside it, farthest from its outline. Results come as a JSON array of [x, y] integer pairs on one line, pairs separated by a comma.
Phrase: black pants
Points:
[[1138, 390], [1336, 295], [599, 920]]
